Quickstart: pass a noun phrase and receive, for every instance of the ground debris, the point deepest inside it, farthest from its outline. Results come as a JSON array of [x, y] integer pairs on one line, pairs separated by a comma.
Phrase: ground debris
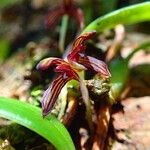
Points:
[[132, 127]]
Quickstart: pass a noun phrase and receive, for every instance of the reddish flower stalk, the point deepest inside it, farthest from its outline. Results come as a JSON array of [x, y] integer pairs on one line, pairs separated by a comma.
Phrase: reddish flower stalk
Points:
[[67, 7], [68, 70]]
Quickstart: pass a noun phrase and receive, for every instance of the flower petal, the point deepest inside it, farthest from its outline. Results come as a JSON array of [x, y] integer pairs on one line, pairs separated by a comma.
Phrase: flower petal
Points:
[[48, 62], [53, 16], [77, 14], [66, 8], [78, 46], [67, 71], [67, 3], [74, 54], [51, 94], [95, 64], [77, 66], [82, 38]]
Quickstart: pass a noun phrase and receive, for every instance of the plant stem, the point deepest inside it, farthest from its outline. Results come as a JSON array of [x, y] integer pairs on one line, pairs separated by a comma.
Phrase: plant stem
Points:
[[87, 101], [63, 101], [88, 10], [63, 31]]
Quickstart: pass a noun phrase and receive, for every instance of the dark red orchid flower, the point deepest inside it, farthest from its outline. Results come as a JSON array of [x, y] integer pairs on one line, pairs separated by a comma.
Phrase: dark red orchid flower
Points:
[[68, 8], [77, 55], [68, 70]]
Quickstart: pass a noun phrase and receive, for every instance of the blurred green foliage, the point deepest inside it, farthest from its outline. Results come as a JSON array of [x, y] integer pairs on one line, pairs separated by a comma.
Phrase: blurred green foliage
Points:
[[5, 47], [4, 3]]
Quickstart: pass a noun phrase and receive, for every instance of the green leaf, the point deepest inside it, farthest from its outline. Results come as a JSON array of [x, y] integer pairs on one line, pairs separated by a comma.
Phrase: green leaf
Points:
[[128, 15], [120, 71], [30, 117], [4, 49], [4, 3]]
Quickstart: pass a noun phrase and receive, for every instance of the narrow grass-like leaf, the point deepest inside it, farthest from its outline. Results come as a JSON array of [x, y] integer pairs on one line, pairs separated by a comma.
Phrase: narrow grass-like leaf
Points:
[[128, 15], [30, 117]]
